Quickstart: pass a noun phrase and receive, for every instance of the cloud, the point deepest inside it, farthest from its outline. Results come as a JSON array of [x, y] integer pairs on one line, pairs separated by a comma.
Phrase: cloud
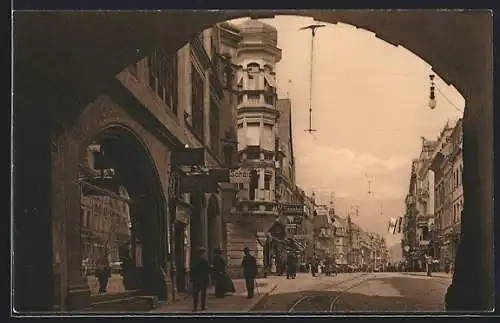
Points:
[[324, 168]]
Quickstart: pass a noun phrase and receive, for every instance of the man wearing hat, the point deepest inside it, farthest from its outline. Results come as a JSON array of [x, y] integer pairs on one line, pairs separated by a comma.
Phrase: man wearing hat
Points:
[[200, 278], [249, 265]]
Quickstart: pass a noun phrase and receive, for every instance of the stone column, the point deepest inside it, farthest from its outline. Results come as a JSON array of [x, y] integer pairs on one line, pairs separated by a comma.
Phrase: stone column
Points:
[[67, 207], [473, 282], [37, 288]]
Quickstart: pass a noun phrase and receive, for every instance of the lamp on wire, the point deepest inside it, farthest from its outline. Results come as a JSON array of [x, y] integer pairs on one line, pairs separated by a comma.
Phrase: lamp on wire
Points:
[[432, 96]]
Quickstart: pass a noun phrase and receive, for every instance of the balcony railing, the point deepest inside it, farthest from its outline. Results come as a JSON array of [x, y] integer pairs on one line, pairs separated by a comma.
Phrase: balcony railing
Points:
[[253, 100], [260, 195]]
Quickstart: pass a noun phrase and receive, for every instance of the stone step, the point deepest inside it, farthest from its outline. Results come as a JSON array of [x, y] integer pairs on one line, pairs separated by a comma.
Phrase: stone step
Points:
[[125, 304], [110, 297]]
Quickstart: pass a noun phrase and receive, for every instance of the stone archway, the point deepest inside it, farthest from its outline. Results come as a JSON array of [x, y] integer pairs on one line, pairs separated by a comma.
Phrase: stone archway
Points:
[[137, 156], [130, 234], [457, 44]]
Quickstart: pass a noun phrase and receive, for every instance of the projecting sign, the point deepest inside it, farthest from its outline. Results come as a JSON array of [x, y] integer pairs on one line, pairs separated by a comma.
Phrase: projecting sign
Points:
[[198, 184], [239, 176], [292, 208]]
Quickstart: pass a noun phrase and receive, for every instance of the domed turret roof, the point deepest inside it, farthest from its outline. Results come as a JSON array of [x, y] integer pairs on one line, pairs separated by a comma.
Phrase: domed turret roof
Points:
[[254, 24]]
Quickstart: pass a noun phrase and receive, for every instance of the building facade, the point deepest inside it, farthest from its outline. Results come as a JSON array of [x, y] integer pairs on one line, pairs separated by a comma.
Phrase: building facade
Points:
[[105, 219], [324, 234], [256, 122], [435, 199], [449, 194], [424, 205], [341, 241], [308, 226]]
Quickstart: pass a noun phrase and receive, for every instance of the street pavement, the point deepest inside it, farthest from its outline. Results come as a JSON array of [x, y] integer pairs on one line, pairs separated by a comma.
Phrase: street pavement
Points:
[[348, 292], [374, 292]]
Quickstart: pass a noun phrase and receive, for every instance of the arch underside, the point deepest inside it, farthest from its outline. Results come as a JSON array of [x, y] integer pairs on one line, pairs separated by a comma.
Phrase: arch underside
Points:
[[456, 44], [64, 59]]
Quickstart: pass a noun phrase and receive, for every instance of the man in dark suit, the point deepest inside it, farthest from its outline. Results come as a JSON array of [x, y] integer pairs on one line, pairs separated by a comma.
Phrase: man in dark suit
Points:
[[200, 278], [249, 265]]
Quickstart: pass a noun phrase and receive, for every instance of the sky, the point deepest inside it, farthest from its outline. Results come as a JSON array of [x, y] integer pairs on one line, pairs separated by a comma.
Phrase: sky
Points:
[[370, 108]]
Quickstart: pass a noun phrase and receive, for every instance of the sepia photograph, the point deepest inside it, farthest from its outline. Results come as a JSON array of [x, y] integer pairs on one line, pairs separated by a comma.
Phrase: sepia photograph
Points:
[[252, 162]]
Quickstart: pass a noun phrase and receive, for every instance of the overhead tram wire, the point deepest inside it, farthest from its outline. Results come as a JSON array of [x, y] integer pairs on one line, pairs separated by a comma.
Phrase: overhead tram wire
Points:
[[313, 28], [449, 101]]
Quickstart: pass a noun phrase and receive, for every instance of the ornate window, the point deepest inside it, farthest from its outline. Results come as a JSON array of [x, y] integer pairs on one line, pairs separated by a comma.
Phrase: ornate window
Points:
[[163, 77]]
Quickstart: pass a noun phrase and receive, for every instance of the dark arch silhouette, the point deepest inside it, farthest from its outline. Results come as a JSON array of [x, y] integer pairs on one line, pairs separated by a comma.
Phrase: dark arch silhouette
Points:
[[136, 171]]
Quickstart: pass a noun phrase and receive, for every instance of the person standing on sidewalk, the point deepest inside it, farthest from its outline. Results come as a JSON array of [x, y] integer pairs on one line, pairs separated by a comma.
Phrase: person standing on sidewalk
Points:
[[249, 265], [223, 283], [103, 272], [429, 266], [294, 263], [200, 278]]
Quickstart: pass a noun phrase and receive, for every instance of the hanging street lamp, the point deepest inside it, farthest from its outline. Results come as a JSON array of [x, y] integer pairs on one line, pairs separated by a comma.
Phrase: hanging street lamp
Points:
[[432, 96]]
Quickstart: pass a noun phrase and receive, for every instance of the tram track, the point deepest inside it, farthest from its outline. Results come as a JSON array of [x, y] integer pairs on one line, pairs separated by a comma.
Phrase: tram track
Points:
[[323, 296]]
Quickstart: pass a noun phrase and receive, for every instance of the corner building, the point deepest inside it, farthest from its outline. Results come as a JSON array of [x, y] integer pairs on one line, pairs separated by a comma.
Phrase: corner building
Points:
[[256, 114]]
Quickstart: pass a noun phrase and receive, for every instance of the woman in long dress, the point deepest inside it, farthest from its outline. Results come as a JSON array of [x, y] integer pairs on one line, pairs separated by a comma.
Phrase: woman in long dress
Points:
[[223, 283]]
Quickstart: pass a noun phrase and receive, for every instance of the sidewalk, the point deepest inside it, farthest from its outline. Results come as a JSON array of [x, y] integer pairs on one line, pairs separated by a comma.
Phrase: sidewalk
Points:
[[434, 274], [238, 302]]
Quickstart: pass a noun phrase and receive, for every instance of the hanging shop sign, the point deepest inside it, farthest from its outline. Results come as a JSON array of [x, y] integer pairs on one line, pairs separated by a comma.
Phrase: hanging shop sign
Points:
[[292, 208], [220, 175], [239, 176], [199, 183], [188, 157]]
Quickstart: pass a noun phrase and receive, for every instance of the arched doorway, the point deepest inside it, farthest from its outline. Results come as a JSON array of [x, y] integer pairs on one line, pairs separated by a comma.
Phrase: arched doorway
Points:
[[213, 226], [122, 217]]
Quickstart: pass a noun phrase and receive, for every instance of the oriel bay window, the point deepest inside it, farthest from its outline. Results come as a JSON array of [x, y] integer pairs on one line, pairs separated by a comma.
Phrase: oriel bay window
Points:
[[197, 102], [163, 77]]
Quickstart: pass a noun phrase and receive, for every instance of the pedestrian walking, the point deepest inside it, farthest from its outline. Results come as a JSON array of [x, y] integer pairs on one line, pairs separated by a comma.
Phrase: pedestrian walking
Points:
[[288, 265], [249, 265], [294, 265], [103, 272], [200, 277], [223, 283], [429, 266]]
